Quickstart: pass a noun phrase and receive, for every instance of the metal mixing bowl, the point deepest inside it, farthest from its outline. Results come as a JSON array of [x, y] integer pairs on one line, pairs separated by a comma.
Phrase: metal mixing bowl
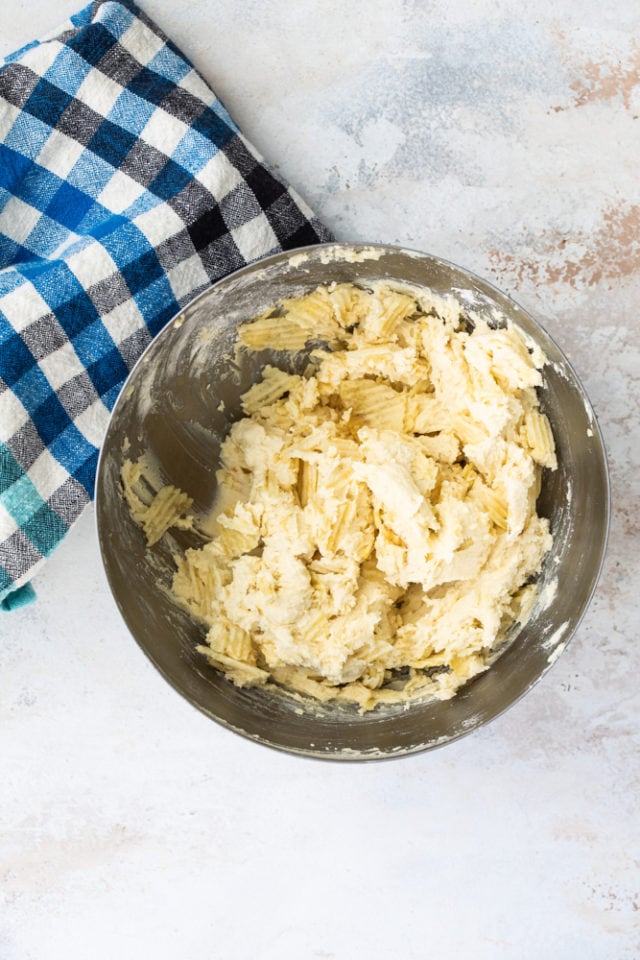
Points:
[[171, 407]]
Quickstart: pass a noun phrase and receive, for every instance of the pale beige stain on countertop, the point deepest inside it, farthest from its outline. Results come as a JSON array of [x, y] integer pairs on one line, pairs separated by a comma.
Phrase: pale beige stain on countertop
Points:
[[573, 256], [609, 252], [603, 80], [43, 859]]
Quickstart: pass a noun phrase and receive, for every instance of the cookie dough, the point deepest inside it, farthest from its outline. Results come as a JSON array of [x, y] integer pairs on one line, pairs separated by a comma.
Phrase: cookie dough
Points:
[[376, 532]]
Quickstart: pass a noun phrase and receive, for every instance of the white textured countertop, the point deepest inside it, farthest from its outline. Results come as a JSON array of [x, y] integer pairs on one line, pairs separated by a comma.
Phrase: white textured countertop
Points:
[[504, 136]]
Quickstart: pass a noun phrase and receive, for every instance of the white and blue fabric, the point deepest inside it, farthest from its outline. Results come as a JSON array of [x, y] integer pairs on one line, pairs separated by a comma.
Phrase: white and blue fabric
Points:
[[125, 189]]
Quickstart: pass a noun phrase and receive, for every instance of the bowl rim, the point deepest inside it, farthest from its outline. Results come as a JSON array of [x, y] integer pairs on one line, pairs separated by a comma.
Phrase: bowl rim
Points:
[[362, 247]]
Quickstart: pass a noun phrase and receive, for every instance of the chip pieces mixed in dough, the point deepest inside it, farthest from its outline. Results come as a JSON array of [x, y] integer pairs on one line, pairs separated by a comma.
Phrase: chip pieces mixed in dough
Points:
[[377, 530]]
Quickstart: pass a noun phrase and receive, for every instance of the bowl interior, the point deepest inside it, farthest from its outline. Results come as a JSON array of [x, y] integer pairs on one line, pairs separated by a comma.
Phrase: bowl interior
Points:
[[178, 405]]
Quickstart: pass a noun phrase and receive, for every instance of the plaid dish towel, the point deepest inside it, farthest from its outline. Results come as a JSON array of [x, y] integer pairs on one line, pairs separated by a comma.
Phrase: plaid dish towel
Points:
[[125, 189]]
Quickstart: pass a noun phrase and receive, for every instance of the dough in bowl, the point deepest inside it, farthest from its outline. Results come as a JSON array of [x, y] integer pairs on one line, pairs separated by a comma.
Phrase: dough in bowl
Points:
[[376, 532]]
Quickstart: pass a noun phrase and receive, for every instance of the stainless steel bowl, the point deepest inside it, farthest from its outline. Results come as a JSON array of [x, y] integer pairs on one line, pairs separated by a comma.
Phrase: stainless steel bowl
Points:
[[171, 406]]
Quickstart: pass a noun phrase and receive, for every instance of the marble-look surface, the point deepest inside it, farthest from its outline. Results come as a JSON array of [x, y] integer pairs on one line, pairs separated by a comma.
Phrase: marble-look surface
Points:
[[504, 136]]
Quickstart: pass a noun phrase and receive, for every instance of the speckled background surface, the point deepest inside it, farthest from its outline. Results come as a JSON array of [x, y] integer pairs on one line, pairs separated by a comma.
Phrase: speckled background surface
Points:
[[506, 137]]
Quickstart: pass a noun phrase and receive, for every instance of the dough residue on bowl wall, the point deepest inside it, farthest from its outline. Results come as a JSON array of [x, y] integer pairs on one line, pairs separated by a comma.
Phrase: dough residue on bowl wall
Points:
[[376, 532]]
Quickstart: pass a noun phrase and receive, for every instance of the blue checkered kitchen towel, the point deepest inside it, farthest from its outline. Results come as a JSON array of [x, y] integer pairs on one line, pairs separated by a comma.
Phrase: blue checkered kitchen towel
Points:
[[125, 189]]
